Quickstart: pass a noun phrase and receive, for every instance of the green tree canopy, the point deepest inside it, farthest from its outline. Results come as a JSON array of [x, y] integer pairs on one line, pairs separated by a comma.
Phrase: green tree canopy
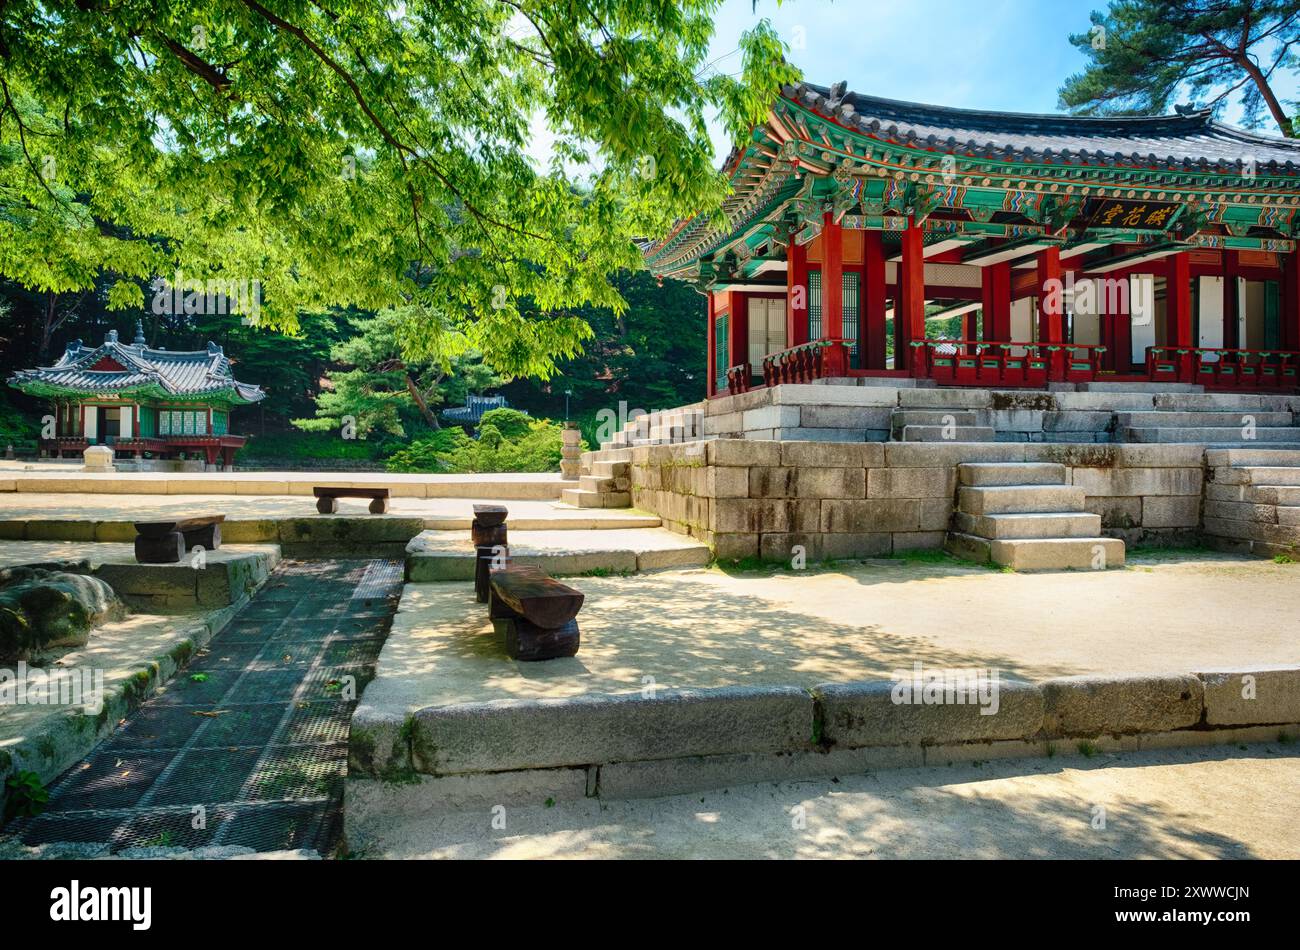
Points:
[[347, 153], [1145, 53]]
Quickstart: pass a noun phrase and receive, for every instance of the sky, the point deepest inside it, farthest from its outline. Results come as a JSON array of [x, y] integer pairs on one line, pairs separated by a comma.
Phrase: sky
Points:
[[1008, 55], [981, 54]]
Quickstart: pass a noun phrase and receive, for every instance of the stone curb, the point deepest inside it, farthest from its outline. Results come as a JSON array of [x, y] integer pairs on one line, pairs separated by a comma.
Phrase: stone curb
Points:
[[508, 735]]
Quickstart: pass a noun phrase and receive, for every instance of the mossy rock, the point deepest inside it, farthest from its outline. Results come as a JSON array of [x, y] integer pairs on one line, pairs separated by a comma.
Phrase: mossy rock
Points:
[[42, 610]]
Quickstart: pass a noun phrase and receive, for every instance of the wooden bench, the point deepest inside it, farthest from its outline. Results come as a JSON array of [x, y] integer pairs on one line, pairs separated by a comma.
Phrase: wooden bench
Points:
[[534, 614], [327, 498], [165, 542]]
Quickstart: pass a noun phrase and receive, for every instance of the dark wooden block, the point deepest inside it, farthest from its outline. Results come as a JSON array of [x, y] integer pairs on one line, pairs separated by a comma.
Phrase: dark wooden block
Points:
[[489, 515], [485, 536], [484, 559], [528, 642], [379, 506], [327, 505], [209, 536], [158, 529], [168, 549], [533, 594]]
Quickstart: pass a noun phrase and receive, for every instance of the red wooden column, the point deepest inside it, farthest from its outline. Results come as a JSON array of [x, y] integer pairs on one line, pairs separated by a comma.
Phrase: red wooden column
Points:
[[970, 329], [737, 329], [872, 300], [909, 312], [995, 285], [837, 355], [1291, 301], [1230, 341], [712, 345], [796, 294], [1178, 310], [1120, 340], [1051, 302]]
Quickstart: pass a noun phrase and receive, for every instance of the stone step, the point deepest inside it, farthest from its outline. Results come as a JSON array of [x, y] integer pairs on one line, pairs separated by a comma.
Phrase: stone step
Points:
[[1273, 475], [1011, 473], [611, 469], [1216, 435], [582, 498], [1040, 554], [1101, 387], [1016, 526], [941, 433], [1287, 495], [1009, 499], [598, 483], [1221, 402], [449, 555], [933, 417], [1177, 420]]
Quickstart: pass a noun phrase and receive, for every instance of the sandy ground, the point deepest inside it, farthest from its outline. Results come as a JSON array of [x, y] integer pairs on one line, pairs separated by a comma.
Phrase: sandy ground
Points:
[[444, 513], [705, 628], [1235, 802]]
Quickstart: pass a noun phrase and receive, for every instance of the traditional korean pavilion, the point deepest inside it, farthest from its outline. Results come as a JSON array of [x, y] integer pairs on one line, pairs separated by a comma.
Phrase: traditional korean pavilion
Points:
[[1131, 249], [141, 401]]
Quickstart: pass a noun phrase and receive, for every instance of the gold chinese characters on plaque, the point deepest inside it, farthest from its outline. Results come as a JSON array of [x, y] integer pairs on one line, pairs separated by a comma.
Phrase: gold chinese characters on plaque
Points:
[[1139, 215]]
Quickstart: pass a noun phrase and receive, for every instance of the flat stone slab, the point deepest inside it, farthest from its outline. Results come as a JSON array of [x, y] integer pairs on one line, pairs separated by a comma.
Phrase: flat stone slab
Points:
[[225, 576], [1093, 706], [508, 735], [449, 555], [253, 518], [512, 485]]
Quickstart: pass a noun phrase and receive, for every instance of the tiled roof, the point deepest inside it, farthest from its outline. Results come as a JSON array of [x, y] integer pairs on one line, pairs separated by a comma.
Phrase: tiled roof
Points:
[[159, 373], [1190, 139]]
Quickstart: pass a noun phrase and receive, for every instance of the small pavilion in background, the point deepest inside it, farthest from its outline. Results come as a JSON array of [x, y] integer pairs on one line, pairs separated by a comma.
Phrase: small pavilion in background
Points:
[[140, 401]]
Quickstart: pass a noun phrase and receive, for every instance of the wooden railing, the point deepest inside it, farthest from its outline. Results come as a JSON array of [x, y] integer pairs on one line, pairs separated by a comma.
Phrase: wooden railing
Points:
[[807, 361], [977, 362], [740, 378], [1225, 368]]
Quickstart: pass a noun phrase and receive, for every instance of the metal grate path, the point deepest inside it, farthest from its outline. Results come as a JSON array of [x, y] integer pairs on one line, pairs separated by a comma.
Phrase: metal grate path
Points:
[[248, 745]]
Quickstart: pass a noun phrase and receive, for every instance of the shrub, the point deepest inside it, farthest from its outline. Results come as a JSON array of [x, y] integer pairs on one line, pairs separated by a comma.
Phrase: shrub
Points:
[[534, 449], [511, 423]]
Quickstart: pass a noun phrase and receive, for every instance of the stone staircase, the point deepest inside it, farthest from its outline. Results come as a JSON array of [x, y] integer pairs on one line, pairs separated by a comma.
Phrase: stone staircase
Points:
[[1252, 501], [1215, 419], [938, 425], [605, 481], [1024, 516]]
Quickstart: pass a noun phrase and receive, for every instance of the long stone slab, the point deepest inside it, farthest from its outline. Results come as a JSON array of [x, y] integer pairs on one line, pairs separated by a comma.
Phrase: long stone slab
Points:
[[1252, 696], [507, 735], [1086, 706], [871, 714]]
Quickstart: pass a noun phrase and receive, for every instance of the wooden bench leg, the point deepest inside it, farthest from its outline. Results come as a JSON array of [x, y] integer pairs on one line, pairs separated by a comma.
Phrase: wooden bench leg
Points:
[[168, 549], [209, 536], [327, 506], [379, 506]]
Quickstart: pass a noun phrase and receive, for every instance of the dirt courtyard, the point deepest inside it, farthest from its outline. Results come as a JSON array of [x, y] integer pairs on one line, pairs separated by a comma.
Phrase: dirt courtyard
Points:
[[705, 628]]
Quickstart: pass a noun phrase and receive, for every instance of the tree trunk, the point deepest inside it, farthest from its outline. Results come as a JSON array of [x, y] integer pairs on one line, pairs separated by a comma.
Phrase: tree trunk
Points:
[[1261, 83], [47, 329], [422, 403]]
